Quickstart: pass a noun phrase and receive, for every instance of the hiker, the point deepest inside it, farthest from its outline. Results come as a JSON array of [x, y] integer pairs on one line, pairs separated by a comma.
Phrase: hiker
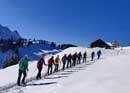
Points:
[[74, 58], [69, 60], [84, 57], [92, 55], [64, 59], [57, 62], [99, 54], [50, 65], [23, 67], [40, 66], [79, 57]]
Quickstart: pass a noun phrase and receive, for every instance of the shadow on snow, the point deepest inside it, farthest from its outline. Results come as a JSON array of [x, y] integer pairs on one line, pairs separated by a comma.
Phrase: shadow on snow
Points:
[[41, 84], [56, 77]]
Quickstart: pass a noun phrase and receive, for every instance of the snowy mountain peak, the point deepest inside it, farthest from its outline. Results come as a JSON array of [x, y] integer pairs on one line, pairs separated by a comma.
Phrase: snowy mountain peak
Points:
[[6, 33]]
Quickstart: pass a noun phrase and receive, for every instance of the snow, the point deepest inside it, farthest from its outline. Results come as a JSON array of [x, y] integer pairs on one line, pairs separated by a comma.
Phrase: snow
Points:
[[107, 75], [35, 50]]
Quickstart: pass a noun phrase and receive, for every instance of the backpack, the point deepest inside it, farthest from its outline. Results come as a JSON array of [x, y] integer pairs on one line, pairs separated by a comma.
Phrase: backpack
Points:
[[49, 61], [57, 60]]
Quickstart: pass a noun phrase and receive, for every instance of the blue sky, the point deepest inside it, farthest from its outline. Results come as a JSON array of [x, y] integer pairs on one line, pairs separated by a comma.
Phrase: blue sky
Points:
[[68, 21]]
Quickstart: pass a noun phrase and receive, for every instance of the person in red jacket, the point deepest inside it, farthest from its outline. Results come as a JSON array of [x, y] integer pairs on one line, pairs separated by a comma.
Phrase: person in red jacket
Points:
[[40, 66], [50, 65]]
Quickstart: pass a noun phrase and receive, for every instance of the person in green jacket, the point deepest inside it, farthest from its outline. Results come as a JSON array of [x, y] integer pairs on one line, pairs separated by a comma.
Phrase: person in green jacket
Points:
[[23, 68]]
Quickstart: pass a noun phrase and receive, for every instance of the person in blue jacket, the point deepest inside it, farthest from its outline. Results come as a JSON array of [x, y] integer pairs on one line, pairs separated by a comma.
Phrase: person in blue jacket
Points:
[[64, 59], [99, 54]]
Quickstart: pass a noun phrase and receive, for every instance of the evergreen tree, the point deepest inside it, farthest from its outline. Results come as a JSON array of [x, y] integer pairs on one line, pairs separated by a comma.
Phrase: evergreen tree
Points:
[[6, 62], [13, 60], [53, 44]]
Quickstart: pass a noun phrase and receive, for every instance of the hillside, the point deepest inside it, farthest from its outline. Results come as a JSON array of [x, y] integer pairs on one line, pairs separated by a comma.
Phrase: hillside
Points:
[[33, 51], [107, 75]]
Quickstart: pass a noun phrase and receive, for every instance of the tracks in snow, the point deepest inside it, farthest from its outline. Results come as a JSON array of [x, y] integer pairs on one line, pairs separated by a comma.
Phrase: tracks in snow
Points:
[[60, 74]]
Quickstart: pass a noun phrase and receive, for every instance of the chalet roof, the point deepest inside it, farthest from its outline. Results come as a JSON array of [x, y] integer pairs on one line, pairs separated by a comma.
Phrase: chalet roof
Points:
[[109, 43]]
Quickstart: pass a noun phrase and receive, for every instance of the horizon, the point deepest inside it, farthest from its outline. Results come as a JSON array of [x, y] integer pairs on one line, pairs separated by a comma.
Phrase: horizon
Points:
[[76, 22]]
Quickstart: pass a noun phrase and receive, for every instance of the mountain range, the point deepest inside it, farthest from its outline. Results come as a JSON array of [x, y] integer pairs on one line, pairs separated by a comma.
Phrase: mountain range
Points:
[[6, 33]]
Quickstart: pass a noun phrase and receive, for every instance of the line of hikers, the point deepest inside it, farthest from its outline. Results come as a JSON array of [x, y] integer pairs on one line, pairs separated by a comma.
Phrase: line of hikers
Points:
[[67, 62]]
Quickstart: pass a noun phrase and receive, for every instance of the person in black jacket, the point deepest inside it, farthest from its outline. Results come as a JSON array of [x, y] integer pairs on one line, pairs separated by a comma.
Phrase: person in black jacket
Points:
[[64, 59], [74, 58], [69, 60], [79, 57], [92, 55], [84, 57]]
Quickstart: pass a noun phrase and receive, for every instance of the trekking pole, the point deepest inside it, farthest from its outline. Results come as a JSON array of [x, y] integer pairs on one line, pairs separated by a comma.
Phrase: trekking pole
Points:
[[32, 75], [45, 73]]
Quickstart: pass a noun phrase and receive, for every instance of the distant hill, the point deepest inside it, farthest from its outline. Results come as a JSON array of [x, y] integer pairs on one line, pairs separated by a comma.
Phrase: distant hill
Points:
[[6, 33]]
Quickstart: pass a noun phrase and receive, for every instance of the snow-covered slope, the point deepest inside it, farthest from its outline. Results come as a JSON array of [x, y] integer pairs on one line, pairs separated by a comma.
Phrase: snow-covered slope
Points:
[[34, 51], [101, 76], [107, 75], [6, 33]]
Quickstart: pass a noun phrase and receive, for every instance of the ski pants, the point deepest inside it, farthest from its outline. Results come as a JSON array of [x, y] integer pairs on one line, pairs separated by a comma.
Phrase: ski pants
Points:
[[49, 69], [56, 67], [69, 63], [63, 68], [39, 73], [84, 59], [20, 75]]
